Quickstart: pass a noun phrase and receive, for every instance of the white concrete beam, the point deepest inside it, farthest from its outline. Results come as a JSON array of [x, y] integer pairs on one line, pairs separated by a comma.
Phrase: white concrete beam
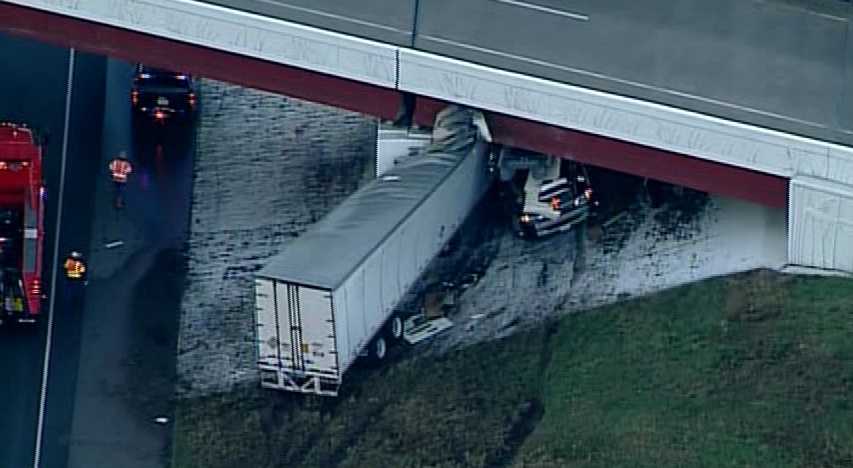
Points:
[[623, 118], [239, 32], [820, 224]]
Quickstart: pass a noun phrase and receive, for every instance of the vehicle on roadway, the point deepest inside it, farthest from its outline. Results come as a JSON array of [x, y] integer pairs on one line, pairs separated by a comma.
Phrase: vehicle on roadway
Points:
[[332, 294], [21, 224], [161, 95]]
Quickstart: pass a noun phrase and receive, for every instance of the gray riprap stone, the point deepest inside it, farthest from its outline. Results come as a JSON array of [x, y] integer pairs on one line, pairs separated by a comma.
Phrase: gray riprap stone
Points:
[[266, 167]]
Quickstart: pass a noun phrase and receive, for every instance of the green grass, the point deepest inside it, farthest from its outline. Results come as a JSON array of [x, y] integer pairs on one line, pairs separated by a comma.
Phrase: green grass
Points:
[[751, 370]]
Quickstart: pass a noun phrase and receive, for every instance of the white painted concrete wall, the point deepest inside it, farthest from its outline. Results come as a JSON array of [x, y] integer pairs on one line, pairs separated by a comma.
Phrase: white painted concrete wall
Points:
[[820, 224]]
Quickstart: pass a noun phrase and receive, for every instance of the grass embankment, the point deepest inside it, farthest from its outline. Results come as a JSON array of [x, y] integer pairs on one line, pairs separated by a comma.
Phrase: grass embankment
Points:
[[752, 370]]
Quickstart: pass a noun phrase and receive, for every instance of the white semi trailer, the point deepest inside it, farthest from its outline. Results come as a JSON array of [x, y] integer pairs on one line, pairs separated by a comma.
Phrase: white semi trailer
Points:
[[330, 296]]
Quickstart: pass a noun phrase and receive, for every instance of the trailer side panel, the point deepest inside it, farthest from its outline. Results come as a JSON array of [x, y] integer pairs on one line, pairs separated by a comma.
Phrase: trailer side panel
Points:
[[373, 290]]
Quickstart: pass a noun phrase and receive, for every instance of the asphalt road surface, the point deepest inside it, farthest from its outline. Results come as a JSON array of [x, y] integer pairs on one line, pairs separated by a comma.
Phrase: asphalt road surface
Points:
[[126, 370], [34, 91], [111, 369]]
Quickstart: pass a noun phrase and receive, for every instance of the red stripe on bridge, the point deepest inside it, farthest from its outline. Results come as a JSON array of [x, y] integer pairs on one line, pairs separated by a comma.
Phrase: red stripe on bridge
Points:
[[644, 161], [173, 55]]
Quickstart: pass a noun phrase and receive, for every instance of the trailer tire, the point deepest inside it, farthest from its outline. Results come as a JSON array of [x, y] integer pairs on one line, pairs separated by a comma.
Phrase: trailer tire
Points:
[[378, 349], [395, 328]]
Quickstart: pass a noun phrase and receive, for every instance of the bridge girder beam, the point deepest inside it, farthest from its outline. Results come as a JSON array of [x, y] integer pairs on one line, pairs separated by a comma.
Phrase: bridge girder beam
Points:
[[622, 156], [134, 46]]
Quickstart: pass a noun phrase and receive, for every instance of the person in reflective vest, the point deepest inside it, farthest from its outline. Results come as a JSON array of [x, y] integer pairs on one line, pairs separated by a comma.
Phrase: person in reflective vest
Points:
[[75, 274], [120, 169], [75, 268]]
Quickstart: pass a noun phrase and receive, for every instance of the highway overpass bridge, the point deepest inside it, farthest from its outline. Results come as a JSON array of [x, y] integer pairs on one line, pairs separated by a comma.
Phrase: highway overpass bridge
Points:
[[745, 98]]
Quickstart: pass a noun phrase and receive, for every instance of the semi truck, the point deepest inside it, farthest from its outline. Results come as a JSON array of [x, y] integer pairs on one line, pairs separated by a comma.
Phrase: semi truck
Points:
[[21, 224], [330, 296]]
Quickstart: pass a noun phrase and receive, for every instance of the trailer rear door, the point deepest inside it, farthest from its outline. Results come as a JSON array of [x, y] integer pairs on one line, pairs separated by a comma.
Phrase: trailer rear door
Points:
[[296, 328], [315, 327]]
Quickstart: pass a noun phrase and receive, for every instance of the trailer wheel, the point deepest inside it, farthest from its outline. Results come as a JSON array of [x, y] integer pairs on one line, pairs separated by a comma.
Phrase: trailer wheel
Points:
[[395, 328], [378, 349]]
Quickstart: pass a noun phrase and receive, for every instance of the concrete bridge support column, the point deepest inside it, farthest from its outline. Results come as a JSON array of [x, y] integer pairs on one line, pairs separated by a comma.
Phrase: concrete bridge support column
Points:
[[820, 224]]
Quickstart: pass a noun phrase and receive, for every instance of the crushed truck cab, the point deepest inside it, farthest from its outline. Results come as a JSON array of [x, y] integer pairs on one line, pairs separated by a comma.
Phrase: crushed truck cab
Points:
[[21, 224], [550, 194]]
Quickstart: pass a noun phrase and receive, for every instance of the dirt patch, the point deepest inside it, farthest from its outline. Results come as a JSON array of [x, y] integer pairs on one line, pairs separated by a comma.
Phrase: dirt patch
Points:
[[521, 425], [550, 329], [755, 297]]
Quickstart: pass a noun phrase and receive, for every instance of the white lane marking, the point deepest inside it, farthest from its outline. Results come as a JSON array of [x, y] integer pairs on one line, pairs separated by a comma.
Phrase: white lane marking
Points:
[[334, 16], [531, 6], [580, 71], [804, 9], [43, 397]]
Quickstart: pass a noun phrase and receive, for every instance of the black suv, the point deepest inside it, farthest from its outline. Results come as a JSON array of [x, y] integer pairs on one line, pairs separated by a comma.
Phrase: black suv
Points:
[[162, 95]]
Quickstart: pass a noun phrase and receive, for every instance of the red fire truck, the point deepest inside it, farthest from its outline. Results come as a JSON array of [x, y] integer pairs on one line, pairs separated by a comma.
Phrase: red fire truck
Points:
[[21, 224]]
